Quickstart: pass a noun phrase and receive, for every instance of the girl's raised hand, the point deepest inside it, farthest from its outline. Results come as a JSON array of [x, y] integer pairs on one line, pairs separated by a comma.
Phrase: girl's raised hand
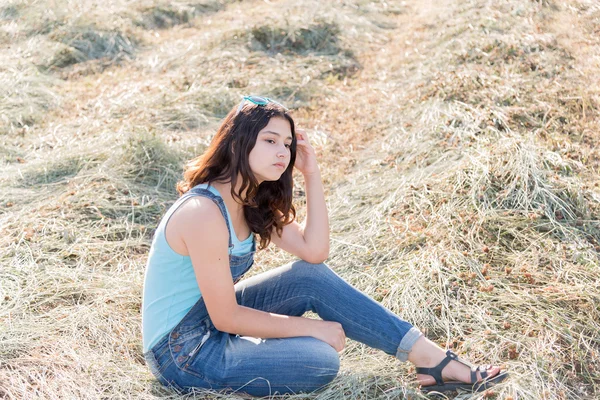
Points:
[[306, 158]]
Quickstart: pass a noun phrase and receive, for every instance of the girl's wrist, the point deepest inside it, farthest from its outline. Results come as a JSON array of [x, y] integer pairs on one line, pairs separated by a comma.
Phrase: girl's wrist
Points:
[[310, 174]]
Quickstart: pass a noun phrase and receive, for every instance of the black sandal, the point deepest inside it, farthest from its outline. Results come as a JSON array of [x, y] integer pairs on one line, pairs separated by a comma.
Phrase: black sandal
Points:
[[436, 372]]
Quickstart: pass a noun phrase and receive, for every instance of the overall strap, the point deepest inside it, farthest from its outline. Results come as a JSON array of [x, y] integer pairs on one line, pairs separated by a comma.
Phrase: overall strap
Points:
[[198, 191]]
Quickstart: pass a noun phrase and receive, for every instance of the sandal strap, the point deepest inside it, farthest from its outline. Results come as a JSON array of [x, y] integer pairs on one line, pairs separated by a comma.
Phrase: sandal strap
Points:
[[482, 369], [474, 374], [436, 372], [460, 360]]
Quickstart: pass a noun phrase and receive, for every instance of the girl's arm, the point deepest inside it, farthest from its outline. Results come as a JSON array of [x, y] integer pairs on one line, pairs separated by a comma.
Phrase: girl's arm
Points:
[[316, 231], [202, 228], [311, 242]]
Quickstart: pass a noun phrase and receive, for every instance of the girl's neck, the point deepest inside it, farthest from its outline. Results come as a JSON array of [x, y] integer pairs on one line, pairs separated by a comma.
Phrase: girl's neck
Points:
[[224, 188]]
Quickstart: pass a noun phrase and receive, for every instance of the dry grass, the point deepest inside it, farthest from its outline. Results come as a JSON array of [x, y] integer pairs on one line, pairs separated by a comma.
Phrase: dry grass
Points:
[[458, 144]]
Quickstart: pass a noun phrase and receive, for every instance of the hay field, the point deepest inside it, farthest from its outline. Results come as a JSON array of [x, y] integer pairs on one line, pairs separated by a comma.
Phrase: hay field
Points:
[[458, 142]]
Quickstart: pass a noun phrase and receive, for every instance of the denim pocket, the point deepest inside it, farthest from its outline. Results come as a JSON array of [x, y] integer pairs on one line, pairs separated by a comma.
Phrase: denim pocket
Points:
[[204, 360], [184, 348]]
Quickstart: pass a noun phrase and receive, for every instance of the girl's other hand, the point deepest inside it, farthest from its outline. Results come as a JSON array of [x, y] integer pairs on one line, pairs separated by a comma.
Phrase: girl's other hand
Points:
[[306, 158], [331, 333]]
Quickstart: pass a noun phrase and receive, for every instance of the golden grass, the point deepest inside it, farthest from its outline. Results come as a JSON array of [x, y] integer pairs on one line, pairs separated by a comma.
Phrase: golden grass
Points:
[[458, 144]]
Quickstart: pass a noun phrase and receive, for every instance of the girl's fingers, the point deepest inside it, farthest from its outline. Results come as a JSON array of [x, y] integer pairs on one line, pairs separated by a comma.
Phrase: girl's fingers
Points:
[[301, 134], [302, 143]]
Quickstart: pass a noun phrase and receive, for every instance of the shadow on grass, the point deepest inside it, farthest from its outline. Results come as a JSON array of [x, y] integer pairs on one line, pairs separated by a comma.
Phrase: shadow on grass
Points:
[[9, 13], [168, 16], [320, 38], [88, 43]]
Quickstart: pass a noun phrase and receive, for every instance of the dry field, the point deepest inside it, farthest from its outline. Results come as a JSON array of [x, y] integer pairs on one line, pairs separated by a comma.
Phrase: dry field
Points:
[[459, 147]]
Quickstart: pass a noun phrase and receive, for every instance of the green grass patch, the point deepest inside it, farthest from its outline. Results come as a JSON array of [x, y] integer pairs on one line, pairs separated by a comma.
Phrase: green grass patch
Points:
[[52, 172], [150, 161], [26, 96], [196, 107]]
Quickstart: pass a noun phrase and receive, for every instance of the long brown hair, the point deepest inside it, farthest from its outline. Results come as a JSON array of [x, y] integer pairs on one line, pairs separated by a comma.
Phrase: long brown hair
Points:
[[228, 155]]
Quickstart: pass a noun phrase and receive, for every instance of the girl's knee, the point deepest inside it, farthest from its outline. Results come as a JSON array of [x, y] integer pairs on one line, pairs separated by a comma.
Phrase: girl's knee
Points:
[[311, 270], [325, 357], [313, 280], [332, 360]]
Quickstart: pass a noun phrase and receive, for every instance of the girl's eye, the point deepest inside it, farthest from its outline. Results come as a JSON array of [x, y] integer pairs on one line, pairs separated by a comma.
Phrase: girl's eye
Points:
[[289, 146]]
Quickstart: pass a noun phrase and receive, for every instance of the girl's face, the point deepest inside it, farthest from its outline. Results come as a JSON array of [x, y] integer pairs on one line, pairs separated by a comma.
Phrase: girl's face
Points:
[[270, 156]]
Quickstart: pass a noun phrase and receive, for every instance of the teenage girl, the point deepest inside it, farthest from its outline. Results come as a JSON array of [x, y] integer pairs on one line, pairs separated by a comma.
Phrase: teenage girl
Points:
[[204, 328]]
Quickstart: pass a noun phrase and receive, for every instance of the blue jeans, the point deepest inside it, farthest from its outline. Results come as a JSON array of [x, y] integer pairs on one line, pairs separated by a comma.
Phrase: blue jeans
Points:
[[196, 355]]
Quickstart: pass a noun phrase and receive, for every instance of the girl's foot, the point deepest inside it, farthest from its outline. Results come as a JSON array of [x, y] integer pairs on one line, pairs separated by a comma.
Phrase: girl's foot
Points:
[[439, 370]]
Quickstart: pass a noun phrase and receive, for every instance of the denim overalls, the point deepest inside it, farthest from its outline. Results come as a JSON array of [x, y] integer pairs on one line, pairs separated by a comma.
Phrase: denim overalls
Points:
[[197, 355], [185, 340]]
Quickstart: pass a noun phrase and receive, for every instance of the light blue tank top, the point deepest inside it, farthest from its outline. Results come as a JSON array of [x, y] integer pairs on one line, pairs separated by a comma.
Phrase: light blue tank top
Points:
[[170, 286]]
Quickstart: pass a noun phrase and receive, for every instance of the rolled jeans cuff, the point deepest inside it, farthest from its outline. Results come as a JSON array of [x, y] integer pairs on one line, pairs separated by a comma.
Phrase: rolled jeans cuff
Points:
[[407, 343]]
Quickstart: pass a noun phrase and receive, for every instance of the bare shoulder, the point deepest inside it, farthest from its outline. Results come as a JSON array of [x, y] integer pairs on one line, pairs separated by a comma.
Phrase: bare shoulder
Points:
[[198, 206], [199, 216]]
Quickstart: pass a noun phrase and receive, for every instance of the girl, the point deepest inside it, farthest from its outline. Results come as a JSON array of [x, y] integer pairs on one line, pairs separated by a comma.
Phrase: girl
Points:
[[204, 329]]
